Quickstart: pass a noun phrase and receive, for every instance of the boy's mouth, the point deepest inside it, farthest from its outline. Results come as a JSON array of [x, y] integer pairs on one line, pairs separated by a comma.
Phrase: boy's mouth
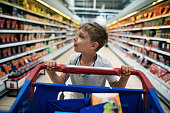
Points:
[[75, 44]]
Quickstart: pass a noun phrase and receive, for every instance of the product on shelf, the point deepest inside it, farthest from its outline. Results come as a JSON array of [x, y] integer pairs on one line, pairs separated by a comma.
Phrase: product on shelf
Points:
[[161, 72], [165, 77], [7, 67], [2, 72]]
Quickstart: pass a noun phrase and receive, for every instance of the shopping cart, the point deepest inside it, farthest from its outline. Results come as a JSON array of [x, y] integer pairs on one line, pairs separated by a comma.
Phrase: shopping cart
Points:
[[44, 98]]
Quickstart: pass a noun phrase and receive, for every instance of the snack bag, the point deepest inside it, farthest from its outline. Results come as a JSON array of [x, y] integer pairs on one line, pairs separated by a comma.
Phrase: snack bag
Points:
[[111, 100]]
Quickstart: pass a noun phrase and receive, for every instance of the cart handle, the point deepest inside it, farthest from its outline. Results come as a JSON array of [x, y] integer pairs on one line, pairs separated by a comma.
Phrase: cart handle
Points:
[[88, 70]]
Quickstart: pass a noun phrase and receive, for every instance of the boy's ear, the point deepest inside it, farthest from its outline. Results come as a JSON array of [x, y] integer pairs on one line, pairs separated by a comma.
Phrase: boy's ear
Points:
[[94, 45]]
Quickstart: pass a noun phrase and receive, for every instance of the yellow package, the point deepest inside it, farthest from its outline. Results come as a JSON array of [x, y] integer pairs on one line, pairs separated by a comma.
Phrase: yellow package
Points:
[[112, 99]]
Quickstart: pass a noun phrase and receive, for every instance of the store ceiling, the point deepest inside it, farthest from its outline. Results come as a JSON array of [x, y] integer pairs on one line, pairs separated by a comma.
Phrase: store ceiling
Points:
[[101, 11], [90, 10]]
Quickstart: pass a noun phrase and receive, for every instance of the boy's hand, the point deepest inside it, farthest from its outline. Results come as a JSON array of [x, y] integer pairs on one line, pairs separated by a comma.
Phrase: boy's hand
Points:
[[126, 70], [50, 64]]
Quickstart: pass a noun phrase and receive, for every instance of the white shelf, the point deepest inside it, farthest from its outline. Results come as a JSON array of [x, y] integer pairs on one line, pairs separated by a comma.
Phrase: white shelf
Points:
[[57, 53], [13, 57], [152, 49], [29, 52], [71, 29], [144, 28], [157, 17], [27, 42], [159, 85], [47, 57], [26, 20], [33, 12], [156, 27], [70, 34], [146, 57], [29, 31], [140, 37]]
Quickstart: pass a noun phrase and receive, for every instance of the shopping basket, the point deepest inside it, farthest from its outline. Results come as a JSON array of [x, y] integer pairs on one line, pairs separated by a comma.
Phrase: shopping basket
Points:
[[43, 98]]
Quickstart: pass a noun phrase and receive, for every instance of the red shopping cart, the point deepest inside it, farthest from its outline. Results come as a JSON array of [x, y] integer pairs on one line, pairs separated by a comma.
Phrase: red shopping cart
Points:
[[43, 99]]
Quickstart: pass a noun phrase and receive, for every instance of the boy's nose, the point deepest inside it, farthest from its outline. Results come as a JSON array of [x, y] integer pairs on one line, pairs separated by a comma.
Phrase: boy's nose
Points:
[[75, 38]]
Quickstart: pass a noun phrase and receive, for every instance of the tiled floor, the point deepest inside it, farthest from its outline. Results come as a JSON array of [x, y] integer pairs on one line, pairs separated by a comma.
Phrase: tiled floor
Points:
[[133, 82]]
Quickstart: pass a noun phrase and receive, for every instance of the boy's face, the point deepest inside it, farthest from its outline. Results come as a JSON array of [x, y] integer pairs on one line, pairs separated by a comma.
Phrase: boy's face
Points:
[[82, 42]]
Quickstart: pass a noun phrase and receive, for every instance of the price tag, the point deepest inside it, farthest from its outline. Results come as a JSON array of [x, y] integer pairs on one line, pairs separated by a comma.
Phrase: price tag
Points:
[[158, 27], [168, 41], [148, 38]]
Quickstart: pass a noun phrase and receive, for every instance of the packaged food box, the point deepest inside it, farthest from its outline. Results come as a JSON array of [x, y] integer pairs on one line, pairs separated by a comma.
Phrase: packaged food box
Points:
[[112, 101]]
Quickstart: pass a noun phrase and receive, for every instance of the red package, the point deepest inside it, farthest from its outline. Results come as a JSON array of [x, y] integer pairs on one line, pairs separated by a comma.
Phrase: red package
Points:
[[8, 24], [7, 68], [15, 64], [165, 77], [161, 72], [2, 23], [153, 68]]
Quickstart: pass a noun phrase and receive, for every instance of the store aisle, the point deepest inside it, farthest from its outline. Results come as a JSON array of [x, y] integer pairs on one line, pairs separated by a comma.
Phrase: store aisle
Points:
[[133, 82]]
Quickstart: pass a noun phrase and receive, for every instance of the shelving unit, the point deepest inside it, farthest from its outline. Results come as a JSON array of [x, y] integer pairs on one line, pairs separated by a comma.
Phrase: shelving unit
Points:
[[142, 40], [160, 86], [38, 37]]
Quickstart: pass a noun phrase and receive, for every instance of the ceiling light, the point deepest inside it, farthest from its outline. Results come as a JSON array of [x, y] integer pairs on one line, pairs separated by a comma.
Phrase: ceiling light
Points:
[[54, 9], [157, 2]]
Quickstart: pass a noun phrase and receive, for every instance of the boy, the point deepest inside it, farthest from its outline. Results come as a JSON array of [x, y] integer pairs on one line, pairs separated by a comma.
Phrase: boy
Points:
[[89, 39]]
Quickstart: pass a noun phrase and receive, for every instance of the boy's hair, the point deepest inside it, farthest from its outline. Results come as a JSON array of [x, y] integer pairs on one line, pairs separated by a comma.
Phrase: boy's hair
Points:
[[96, 32]]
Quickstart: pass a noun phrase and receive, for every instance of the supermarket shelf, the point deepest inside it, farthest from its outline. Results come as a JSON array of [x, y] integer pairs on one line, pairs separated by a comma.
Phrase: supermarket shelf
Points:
[[146, 57], [13, 57], [152, 49], [47, 57], [32, 51], [33, 12], [50, 56], [156, 27], [140, 37], [26, 20], [70, 34], [144, 28], [28, 42], [29, 31], [127, 24], [159, 85], [71, 29], [58, 52], [157, 17]]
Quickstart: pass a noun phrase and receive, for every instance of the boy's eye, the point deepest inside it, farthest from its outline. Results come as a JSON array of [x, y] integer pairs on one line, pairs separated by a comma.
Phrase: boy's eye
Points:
[[79, 35]]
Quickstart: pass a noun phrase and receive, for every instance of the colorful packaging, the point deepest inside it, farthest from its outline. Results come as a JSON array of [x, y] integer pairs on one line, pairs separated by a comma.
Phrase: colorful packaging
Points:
[[153, 68], [161, 72], [2, 72], [113, 101], [166, 77]]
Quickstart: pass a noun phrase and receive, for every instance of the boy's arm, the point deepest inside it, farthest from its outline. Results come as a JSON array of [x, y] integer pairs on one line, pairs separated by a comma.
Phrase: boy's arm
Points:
[[121, 83], [56, 78], [126, 72]]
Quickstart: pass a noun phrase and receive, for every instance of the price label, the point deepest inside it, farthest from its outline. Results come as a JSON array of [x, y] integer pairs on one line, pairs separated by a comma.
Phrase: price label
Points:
[[158, 27], [148, 38], [168, 41]]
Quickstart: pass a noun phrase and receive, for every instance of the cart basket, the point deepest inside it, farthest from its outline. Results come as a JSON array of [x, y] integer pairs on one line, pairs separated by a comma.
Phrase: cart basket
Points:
[[44, 98]]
